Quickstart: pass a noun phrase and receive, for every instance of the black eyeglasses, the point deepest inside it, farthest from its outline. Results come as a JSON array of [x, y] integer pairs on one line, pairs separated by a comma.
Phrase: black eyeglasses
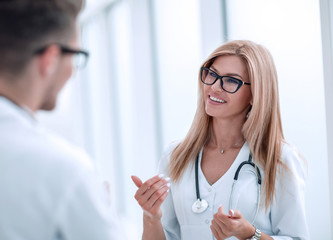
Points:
[[80, 57], [228, 84]]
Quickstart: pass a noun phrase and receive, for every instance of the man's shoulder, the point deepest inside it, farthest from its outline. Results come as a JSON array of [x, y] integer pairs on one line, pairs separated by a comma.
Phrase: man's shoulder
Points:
[[63, 149], [40, 147]]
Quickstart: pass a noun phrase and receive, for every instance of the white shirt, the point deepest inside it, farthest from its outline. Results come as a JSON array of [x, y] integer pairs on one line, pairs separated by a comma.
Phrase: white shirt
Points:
[[48, 189], [284, 220]]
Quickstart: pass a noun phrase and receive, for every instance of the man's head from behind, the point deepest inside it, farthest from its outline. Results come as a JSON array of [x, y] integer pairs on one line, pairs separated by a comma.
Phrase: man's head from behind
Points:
[[32, 36]]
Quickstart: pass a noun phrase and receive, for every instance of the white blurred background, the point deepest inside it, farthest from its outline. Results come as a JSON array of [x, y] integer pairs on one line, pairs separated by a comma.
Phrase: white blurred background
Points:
[[139, 90]]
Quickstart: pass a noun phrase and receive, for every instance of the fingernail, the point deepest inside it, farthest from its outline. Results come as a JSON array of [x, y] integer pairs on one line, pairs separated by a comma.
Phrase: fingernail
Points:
[[232, 212], [168, 185], [167, 179], [168, 190], [161, 175]]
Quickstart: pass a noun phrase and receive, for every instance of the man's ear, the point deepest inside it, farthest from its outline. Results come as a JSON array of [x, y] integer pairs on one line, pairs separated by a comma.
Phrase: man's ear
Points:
[[48, 60]]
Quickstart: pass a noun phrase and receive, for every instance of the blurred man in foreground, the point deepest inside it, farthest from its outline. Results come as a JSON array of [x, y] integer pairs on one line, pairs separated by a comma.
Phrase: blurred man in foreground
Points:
[[48, 188]]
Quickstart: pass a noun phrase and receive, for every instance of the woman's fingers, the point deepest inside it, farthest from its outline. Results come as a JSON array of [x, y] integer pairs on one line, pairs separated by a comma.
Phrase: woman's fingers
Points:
[[155, 188], [226, 224], [147, 185], [230, 225], [215, 233], [157, 204], [221, 217], [217, 230], [156, 195], [152, 191], [137, 181]]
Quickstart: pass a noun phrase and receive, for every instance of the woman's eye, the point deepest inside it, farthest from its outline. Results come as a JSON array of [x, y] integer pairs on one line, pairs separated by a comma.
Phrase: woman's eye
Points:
[[212, 74], [232, 81]]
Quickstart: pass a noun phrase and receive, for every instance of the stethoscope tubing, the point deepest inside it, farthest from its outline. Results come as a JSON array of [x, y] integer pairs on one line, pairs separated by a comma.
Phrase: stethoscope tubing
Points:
[[257, 173]]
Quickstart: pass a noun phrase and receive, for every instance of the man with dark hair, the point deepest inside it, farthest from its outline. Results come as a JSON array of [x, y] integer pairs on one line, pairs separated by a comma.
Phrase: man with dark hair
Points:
[[48, 189]]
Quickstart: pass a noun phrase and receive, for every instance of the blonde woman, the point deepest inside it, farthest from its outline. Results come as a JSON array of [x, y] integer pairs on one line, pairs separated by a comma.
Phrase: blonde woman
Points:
[[233, 176]]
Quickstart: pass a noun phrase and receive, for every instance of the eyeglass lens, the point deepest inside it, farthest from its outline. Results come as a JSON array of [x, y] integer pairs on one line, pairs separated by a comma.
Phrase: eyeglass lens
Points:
[[79, 60], [228, 84]]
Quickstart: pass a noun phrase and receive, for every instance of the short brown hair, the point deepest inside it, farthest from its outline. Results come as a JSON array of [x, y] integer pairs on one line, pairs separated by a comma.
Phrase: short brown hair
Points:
[[26, 25]]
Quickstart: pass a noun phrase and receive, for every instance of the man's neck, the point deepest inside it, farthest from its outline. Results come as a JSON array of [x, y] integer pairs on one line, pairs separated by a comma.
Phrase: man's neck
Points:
[[20, 93]]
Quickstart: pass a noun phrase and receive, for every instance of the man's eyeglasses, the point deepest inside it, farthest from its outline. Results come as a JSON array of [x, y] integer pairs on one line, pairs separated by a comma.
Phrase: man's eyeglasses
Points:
[[80, 57], [228, 84]]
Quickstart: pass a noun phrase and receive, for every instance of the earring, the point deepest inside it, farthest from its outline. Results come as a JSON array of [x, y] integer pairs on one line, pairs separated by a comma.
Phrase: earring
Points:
[[248, 113]]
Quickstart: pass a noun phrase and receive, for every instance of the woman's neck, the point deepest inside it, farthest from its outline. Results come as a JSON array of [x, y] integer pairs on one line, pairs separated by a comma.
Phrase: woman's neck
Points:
[[226, 134]]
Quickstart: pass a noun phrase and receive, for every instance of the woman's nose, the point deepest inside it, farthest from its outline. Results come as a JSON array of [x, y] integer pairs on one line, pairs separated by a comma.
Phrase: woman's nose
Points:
[[217, 86]]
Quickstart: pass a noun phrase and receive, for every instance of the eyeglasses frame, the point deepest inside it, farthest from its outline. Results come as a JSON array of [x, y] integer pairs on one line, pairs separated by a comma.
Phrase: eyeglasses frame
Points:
[[240, 82], [65, 50]]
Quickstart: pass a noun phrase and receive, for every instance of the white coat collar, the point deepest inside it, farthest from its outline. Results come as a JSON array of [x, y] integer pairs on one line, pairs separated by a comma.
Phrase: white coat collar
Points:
[[9, 108]]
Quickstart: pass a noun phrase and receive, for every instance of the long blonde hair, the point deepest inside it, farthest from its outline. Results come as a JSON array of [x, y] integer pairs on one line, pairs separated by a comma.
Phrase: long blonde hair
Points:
[[262, 129]]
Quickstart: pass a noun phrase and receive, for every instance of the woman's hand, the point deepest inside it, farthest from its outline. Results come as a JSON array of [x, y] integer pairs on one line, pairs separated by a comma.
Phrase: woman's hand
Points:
[[224, 226], [151, 195]]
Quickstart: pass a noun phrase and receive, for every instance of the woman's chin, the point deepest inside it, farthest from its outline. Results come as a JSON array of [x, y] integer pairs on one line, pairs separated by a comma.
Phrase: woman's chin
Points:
[[213, 113]]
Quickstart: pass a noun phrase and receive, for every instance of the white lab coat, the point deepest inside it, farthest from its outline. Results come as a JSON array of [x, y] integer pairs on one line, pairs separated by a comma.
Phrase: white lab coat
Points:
[[284, 220], [48, 189]]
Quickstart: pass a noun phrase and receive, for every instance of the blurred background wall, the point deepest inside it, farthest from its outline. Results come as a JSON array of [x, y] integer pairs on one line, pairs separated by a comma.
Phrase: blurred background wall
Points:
[[139, 90]]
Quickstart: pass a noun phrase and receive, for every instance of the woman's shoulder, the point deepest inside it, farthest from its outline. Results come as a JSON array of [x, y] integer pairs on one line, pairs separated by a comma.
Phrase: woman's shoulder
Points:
[[293, 160], [164, 160], [290, 154], [170, 147]]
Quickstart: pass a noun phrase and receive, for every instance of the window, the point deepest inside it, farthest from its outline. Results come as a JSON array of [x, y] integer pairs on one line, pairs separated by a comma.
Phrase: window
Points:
[[139, 91]]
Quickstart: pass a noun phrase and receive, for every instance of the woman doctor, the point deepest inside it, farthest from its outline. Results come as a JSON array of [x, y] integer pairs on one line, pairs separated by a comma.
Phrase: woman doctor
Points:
[[233, 176]]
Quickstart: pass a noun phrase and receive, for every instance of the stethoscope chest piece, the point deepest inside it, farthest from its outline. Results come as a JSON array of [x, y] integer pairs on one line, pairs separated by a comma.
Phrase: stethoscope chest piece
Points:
[[199, 206]]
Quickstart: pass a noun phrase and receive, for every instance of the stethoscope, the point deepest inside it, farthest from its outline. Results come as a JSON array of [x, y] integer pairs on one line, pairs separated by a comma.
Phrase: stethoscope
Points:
[[200, 205]]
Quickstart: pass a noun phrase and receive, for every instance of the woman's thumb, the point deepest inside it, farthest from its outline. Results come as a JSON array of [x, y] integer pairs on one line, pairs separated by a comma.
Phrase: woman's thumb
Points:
[[137, 181], [235, 213]]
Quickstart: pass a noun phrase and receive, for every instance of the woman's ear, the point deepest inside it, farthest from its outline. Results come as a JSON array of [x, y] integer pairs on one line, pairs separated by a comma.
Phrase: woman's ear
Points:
[[48, 60]]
